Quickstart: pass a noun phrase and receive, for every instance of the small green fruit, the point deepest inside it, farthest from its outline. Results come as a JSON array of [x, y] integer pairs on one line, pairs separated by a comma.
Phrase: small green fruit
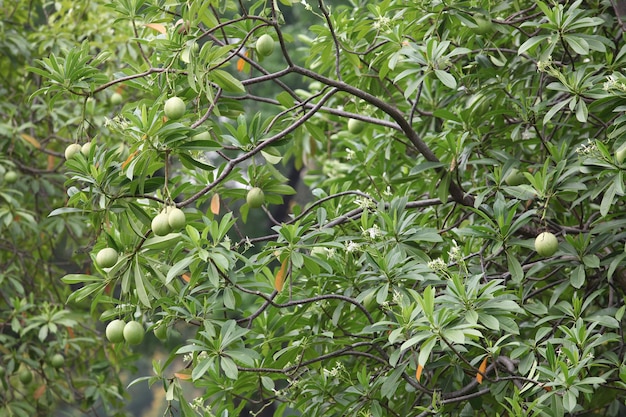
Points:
[[10, 177], [116, 99], [546, 244], [176, 218], [620, 154], [72, 150], [115, 331], [133, 333], [265, 45], [86, 148], [355, 126], [174, 108], [106, 258], [25, 376], [255, 197], [160, 331], [57, 360], [515, 178], [161, 225]]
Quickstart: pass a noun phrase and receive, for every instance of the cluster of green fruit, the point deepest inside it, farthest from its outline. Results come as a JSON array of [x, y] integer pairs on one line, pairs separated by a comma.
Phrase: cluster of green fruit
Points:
[[169, 220], [25, 375], [133, 333], [75, 148]]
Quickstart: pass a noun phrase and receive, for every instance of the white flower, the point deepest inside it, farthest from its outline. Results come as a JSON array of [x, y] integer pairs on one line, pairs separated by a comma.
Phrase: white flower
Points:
[[352, 247]]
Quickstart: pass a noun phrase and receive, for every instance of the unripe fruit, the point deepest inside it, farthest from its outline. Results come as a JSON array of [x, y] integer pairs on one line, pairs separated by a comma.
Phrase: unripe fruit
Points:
[[25, 376], [86, 148], [90, 105], [620, 154], [546, 244], [72, 150], [515, 178], [176, 218], [174, 108], [116, 99], [10, 177], [115, 331], [355, 126], [205, 135], [57, 360], [265, 45], [133, 333], [106, 258], [161, 225], [255, 197], [160, 331]]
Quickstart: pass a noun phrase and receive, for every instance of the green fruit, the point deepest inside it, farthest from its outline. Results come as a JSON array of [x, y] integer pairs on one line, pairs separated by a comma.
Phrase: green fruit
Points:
[[25, 376], [57, 360], [116, 99], [515, 178], [133, 333], [546, 244], [115, 331], [86, 148], [72, 150], [176, 218], [10, 177], [160, 331], [161, 225], [106, 258], [204, 135], [355, 126], [265, 45], [174, 108], [620, 154], [255, 197]]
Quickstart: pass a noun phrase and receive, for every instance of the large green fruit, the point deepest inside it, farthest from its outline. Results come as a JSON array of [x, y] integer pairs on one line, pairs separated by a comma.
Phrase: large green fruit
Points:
[[176, 218], [116, 99], [546, 244], [72, 150], [106, 258], [255, 197], [265, 45], [174, 108], [134, 332], [160, 331], [161, 225], [86, 148], [57, 360], [115, 331], [355, 126], [25, 376]]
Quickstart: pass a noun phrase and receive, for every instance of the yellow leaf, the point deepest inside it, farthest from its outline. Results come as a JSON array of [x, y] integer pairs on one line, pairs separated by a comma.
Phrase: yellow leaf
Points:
[[215, 204], [184, 376], [481, 371], [158, 27], [127, 161], [31, 140], [418, 373], [51, 162], [241, 63], [279, 281], [39, 391], [186, 277]]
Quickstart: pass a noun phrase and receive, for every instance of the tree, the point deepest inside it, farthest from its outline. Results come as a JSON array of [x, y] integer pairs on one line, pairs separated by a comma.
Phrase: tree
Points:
[[410, 282]]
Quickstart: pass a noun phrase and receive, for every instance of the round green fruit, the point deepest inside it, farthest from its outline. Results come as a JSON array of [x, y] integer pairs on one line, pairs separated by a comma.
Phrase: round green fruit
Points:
[[204, 135], [546, 244], [161, 225], [255, 197], [160, 331], [86, 148], [10, 177], [355, 126], [515, 178], [72, 150], [57, 360], [176, 218], [90, 105], [115, 331], [174, 108], [620, 154], [25, 376], [133, 333], [265, 45], [116, 99], [106, 258]]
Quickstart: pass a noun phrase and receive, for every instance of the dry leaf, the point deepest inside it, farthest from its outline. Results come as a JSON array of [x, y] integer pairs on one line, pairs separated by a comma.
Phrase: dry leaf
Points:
[[481, 371], [182, 376], [39, 391], [241, 63], [418, 373], [186, 277], [51, 162], [215, 204], [130, 158], [31, 140], [279, 282], [158, 27]]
